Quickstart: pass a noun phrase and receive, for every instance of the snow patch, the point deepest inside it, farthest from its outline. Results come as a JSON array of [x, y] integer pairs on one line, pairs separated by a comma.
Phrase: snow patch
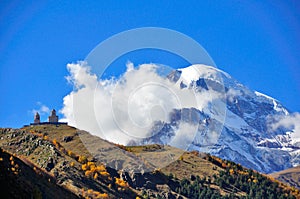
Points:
[[196, 71], [263, 95]]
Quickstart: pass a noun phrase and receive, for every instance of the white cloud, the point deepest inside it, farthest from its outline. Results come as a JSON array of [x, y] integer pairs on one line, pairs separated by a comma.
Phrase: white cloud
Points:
[[80, 75], [42, 109], [290, 121], [124, 109], [232, 93], [184, 135]]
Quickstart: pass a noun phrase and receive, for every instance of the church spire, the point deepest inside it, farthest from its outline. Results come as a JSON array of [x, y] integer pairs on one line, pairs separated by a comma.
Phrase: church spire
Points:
[[36, 118], [53, 118]]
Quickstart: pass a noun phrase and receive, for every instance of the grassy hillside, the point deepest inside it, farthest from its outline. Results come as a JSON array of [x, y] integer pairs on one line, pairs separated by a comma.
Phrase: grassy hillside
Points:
[[76, 172], [289, 176], [77, 164]]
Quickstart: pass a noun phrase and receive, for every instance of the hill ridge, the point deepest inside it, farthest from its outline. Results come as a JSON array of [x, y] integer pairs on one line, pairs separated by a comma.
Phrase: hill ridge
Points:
[[58, 151]]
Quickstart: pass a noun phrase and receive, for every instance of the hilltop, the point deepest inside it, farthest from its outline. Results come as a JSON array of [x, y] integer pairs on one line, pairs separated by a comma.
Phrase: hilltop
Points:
[[53, 162]]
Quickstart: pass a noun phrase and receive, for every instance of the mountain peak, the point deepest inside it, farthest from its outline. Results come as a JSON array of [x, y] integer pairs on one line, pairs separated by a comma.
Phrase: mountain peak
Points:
[[235, 123], [196, 71]]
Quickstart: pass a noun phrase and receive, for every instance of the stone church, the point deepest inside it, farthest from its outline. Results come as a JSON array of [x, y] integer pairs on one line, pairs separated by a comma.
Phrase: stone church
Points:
[[52, 119]]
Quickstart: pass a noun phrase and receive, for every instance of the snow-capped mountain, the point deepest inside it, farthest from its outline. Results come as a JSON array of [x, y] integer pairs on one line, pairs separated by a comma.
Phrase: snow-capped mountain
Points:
[[234, 124]]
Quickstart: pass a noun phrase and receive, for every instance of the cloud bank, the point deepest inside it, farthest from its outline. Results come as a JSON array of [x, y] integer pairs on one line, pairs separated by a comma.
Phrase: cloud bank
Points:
[[125, 108]]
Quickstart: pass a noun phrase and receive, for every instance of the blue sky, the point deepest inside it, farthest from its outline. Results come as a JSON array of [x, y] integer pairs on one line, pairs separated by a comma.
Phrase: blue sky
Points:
[[255, 42]]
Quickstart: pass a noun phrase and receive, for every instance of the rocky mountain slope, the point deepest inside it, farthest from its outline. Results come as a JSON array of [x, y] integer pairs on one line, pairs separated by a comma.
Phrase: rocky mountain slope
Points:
[[51, 161], [234, 124]]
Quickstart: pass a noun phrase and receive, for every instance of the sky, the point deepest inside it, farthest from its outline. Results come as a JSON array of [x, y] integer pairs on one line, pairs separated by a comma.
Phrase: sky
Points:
[[255, 42]]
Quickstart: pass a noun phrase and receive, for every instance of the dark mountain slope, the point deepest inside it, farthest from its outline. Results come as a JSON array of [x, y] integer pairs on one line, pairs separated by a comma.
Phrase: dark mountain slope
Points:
[[19, 180]]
